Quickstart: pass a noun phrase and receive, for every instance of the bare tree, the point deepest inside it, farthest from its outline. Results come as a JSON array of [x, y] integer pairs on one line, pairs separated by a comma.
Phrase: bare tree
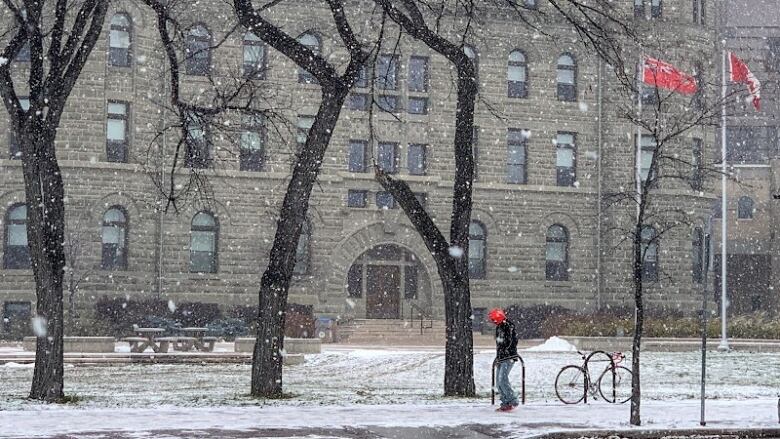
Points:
[[669, 159], [597, 27], [58, 36]]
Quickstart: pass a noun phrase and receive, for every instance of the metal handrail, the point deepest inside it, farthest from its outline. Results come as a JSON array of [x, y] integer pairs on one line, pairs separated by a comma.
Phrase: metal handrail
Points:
[[522, 378], [422, 315]]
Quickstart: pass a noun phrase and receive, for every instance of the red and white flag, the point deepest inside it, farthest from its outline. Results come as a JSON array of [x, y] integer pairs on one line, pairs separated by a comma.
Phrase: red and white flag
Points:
[[741, 74], [664, 75]]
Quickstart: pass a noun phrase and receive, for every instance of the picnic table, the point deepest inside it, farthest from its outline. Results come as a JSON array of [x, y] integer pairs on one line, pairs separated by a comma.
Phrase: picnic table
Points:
[[148, 338], [194, 338]]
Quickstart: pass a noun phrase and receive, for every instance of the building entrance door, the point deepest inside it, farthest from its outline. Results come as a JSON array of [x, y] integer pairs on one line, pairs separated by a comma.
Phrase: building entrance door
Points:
[[383, 292]]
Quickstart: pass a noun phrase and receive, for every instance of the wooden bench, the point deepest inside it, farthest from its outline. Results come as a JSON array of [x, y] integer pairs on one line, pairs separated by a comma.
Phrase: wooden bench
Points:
[[185, 344]]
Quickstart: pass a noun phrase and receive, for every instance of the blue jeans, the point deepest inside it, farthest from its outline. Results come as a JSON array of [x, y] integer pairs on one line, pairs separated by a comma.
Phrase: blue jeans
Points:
[[508, 396]]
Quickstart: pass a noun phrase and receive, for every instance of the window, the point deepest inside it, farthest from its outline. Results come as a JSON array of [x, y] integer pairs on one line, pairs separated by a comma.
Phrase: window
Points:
[[416, 160], [116, 132], [204, 233], [198, 52], [388, 103], [356, 198], [410, 282], [254, 57], [745, 208], [648, 149], [639, 8], [530, 4], [14, 149], [649, 254], [114, 240], [773, 56], [567, 78], [697, 256], [516, 161], [388, 157], [717, 208], [17, 254], [656, 8], [699, 15], [387, 72], [471, 52], [385, 200], [252, 154], [517, 75], [303, 250], [418, 74], [362, 79], [355, 281], [119, 41], [697, 164], [304, 126], [566, 162], [477, 250], [557, 253], [198, 143], [312, 42], [418, 105], [357, 156], [358, 102]]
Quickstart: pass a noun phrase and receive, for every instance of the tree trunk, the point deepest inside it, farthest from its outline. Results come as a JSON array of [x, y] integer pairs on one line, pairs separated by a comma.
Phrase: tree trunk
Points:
[[44, 194], [639, 318], [459, 358], [267, 358]]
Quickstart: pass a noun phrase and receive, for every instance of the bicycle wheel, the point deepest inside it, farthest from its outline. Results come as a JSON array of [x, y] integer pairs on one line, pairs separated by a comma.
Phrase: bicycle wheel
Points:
[[622, 385], [570, 384]]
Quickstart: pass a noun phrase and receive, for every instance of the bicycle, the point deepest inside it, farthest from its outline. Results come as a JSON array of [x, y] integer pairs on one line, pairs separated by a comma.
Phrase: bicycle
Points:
[[573, 382]]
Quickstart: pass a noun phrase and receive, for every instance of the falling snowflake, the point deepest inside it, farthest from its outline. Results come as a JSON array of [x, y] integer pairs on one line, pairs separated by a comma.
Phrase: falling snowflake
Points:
[[38, 324], [456, 252]]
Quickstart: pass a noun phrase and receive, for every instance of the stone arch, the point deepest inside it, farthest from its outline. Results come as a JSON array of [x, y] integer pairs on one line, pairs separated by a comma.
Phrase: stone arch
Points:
[[559, 218], [353, 246], [487, 220], [99, 207]]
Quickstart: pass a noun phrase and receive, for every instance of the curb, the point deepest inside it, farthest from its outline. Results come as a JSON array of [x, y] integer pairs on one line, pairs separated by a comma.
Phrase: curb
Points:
[[660, 433]]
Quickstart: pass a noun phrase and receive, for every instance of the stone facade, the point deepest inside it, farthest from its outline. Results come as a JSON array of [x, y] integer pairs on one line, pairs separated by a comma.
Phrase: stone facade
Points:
[[515, 217]]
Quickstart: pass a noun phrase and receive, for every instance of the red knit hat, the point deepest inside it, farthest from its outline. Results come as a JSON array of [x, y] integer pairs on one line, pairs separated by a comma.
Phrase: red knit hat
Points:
[[497, 316]]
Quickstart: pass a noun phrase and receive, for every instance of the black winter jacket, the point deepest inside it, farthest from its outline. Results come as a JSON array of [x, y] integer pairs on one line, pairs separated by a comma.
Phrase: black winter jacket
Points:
[[506, 340]]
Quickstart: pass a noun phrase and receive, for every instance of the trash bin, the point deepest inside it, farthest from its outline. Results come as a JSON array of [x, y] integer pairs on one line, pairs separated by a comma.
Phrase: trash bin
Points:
[[323, 327]]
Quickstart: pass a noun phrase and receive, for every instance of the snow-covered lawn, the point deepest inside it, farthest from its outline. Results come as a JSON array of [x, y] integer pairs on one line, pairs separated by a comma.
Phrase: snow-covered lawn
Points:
[[385, 387]]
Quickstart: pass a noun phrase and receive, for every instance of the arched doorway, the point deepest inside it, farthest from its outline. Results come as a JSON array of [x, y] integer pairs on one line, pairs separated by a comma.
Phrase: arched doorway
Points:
[[387, 277]]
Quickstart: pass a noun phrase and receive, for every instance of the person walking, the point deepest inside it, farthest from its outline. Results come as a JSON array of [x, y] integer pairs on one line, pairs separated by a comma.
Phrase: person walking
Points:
[[506, 356]]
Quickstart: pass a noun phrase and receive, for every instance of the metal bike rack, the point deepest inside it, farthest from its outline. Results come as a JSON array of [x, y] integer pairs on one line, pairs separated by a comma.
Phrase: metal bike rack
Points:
[[522, 378]]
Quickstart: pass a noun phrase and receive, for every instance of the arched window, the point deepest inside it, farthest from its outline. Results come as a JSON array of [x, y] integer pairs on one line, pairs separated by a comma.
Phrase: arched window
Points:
[[471, 52], [649, 254], [198, 53], [303, 251], [204, 233], [517, 75], [477, 250], [114, 240], [745, 208], [314, 44], [697, 256], [254, 57], [567, 78], [557, 253], [120, 40], [17, 254]]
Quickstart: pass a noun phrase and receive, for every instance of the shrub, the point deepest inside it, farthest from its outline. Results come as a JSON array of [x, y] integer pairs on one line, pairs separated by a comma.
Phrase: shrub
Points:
[[196, 313], [228, 329], [299, 321], [120, 314], [529, 320]]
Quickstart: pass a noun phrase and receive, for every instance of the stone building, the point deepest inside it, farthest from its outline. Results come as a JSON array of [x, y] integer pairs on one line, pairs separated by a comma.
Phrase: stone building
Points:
[[752, 153], [540, 233]]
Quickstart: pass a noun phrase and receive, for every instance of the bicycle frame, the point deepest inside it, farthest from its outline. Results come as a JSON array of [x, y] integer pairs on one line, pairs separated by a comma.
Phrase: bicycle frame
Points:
[[522, 379]]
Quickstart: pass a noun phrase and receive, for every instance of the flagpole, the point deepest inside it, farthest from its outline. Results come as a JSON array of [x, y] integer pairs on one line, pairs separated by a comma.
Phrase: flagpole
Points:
[[724, 343], [638, 171]]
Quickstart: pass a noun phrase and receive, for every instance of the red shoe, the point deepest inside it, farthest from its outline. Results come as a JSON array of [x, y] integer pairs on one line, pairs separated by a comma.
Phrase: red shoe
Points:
[[505, 408]]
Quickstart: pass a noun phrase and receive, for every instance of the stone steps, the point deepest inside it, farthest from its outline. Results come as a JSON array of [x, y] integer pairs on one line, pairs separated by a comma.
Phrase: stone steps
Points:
[[397, 332]]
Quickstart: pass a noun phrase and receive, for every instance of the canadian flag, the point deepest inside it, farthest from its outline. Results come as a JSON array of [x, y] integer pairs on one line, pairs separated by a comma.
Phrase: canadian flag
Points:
[[741, 74], [664, 75]]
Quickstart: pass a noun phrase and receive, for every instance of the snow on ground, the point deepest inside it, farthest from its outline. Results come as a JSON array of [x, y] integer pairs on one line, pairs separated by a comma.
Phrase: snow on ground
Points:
[[553, 344], [384, 386], [527, 420]]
